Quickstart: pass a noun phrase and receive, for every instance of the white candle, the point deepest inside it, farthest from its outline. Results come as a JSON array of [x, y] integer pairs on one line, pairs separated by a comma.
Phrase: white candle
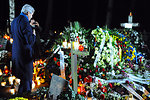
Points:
[[12, 91], [69, 45], [11, 79], [1, 72], [33, 84], [10, 65], [65, 44], [17, 81], [3, 83], [76, 45]]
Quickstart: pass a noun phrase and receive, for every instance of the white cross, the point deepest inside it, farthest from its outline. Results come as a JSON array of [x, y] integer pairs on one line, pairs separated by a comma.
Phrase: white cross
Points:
[[74, 54], [129, 24]]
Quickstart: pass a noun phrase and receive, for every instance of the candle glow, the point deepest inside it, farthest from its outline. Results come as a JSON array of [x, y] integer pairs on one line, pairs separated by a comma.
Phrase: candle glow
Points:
[[3, 83]]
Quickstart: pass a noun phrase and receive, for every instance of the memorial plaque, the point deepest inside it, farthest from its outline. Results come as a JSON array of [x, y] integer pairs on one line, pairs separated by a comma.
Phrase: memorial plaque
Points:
[[3, 43], [57, 85]]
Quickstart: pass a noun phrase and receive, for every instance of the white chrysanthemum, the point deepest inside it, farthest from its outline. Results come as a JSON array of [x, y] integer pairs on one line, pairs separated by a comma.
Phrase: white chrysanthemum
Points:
[[108, 59], [96, 52], [105, 48], [93, 57], [119, 67]]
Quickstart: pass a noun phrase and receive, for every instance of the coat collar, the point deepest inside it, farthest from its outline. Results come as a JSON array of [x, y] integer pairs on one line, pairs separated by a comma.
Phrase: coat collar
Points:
[[24, 15]]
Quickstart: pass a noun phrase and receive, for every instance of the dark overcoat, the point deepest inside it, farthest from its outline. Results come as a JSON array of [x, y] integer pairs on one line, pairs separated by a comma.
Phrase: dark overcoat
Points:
[[23, 40]]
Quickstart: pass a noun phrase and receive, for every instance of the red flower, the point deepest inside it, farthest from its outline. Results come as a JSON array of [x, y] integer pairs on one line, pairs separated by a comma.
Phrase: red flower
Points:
[[117, 65], [81, 48], [78, 69], [99, 83], [104, 89], [70, 54], [102, 96], [55, 59], [80, 76], [103, 69], [88, 79], [96, 70], [58, 63], [127, 81], [96, 66], [81, 69], [110, 85]]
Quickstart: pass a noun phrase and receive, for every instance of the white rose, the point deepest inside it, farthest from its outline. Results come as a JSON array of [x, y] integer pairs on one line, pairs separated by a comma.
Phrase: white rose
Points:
[[96, 48], [105, 48], [119, 67], [93, 57], [108, 59]]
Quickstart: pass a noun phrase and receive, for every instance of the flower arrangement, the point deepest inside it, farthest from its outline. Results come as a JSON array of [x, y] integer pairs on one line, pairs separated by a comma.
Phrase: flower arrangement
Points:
[[115, 62]]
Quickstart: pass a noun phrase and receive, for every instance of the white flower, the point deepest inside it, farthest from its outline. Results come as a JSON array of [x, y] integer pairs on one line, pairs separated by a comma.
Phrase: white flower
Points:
[[93, 57], [101, 30], [99, 63], [113, 72], [107, 51], [87, 64], [108, 45], [108, 59], [119, 67], [96, 48], [105, 48], [104, 66], [115, 61], [96, 52]]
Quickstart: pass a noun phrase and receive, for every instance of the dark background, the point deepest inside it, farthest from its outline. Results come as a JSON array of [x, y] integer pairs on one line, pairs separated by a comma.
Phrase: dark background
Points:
[[55, 14]]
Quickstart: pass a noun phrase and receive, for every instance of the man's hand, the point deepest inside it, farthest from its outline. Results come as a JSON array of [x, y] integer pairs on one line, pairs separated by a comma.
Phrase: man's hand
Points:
[[33, 23]]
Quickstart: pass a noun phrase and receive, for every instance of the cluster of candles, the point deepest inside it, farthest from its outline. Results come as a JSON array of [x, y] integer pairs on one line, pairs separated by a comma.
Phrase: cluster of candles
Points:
[[8, 38], [37, 80], [66, 45], [76, 45], [13, 81]]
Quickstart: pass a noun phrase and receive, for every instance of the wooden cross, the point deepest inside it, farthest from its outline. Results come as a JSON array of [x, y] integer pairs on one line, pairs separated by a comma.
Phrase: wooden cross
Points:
[[129, 24], [74, 54]]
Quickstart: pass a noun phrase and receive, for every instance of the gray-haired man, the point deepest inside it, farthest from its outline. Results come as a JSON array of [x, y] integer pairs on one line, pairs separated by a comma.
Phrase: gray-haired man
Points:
[[23, 40]]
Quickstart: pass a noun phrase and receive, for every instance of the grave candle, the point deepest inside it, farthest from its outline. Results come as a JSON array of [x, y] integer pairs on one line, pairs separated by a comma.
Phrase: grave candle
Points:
[[3, 83]]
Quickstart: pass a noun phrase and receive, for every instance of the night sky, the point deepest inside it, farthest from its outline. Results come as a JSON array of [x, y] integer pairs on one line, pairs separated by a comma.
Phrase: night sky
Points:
[[55, 14]]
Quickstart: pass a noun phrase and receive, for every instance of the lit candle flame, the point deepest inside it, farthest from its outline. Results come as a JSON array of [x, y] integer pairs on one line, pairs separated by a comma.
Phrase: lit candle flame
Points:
[[3, 83]]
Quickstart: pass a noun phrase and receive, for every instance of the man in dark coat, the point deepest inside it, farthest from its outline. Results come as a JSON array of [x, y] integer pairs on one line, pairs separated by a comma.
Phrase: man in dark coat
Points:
[[23, 40]]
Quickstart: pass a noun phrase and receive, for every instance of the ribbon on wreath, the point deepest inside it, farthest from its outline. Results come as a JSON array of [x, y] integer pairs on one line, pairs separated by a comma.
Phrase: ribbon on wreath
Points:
[[100, 50], [111, 53], [132, 91], [142, 88]]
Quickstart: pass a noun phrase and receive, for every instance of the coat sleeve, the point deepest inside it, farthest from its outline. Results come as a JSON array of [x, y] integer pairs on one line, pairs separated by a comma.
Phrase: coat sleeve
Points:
[[28, 34]]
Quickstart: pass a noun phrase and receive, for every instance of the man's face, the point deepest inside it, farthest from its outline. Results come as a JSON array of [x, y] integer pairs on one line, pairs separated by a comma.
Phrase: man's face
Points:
[[30, 15]]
